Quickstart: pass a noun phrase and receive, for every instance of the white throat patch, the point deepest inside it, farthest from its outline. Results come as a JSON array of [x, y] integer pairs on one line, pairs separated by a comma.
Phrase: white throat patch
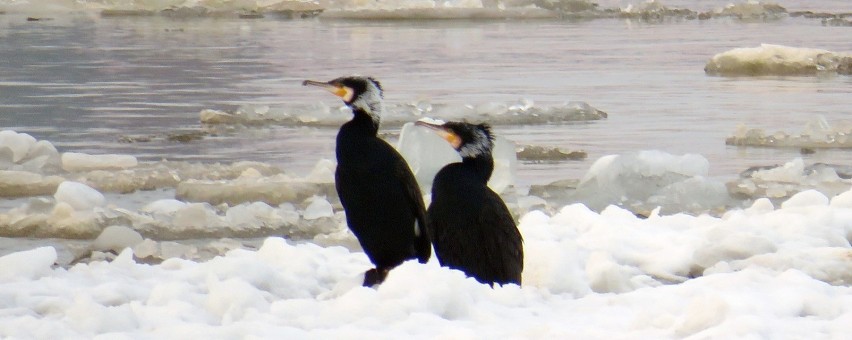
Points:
[[371, 102], [481, 146]]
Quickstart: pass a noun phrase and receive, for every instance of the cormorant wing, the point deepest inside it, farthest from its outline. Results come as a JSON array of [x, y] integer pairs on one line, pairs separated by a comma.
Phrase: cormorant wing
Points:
[[422, 241], [505, 249]]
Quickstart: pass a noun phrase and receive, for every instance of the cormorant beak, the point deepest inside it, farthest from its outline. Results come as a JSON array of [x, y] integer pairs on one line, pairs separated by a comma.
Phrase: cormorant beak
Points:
[[452, 138], [341, 91]]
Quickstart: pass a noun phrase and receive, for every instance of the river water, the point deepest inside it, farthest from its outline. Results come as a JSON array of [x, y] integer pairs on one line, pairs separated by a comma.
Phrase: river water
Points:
[[85, 83]]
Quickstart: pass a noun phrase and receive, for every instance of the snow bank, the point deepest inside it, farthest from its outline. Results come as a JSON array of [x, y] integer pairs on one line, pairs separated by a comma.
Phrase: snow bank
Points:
[[777, 60], [759, 272], [523, 112]]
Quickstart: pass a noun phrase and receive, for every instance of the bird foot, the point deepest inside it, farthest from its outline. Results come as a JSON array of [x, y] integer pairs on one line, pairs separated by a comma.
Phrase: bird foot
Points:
[[374, 277]]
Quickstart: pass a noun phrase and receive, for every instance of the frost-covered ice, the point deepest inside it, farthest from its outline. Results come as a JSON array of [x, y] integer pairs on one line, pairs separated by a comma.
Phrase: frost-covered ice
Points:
[[648, 180], [641, 182], [760, 272], [523, 112], [782, 181], [817, 133], [770, 59]]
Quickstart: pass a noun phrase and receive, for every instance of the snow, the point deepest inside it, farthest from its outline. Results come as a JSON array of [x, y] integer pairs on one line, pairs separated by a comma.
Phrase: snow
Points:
[[761, 272], [203, 264]]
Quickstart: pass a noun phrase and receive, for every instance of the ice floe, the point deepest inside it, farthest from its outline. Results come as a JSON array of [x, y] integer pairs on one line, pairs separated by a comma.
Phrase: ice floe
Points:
[[768, 59], [817, 133], [522, 112]]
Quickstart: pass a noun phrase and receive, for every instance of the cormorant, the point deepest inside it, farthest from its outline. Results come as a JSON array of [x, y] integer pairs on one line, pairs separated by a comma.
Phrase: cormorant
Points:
[[383, 204], [471, 228]]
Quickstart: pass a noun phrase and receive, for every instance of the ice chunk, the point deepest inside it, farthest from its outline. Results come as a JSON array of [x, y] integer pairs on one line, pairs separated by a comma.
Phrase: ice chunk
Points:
[[167, 174], [773, 60], [79, 196], [272, 190], [318, 208], [18, 143], [426, 154], [631, 180], [655, 11], [26, 184], [754, 10], [27, 265], [116, 238], [495, 113], [323, 172], [805, 199], [196, 216], [164, 207], [818, 133], [73, 162], [783, 181], [505, 165], [537, 153]]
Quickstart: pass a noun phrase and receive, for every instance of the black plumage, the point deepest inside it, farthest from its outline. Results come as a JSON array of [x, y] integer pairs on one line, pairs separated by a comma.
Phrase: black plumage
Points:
[[383, 204], [471, 228]]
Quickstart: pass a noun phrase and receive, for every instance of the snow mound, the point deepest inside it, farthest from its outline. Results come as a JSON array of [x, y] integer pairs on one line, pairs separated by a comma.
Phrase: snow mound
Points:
[[818, 133], [777, 60]]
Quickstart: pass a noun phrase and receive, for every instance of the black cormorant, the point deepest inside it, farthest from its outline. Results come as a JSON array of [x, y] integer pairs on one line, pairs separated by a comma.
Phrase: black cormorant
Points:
[[471, 228], [383, 204]]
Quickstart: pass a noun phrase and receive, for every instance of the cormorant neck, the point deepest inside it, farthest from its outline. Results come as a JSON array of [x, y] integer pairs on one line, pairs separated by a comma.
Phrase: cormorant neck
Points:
[[369, 108], [369, 121], [483, 165]]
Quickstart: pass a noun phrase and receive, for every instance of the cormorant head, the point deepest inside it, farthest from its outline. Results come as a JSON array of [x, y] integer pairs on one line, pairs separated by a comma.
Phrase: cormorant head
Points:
[[358, 92], [470, 140]]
